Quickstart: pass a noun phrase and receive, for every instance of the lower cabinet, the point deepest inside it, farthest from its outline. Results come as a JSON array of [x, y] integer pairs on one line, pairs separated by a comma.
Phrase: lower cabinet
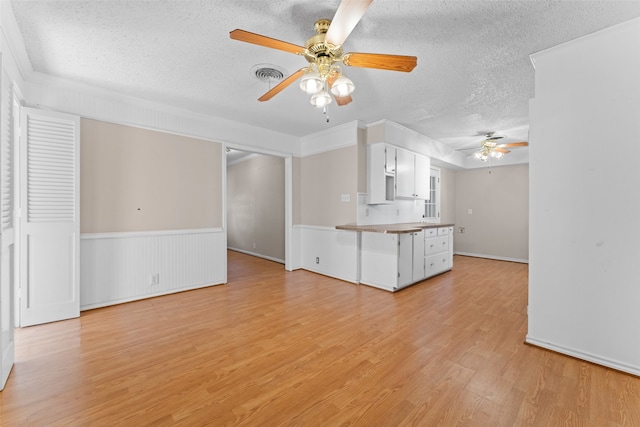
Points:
[[394, 261], [438, 254], [384, 262]]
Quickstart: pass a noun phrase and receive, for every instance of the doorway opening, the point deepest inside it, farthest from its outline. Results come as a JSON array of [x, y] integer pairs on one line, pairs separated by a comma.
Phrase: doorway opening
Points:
[[256, 208]]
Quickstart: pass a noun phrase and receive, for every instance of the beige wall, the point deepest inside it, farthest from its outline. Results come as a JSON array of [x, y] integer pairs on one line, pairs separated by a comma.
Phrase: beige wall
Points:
[[134, 179], [324, 177], [362, 160], [499, 223], [255, 206], [296, 190], [447, 196]]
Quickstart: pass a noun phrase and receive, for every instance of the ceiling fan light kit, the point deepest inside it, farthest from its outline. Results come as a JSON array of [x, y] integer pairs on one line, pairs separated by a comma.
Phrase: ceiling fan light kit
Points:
[[489, 148], [323, 51], [315, 83]]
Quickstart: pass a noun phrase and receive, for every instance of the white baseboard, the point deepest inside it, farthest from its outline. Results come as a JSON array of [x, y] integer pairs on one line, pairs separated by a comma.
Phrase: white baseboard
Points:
[[334, 276], [255, 254], [140, 297], [498, 258], [594, 358]]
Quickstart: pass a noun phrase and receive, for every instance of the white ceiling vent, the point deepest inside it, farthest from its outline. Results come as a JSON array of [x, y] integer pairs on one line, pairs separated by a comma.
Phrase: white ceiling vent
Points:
[[268, 72]]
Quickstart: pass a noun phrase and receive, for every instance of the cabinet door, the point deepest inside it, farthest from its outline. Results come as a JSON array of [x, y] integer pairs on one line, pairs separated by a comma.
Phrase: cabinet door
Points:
[[422, 177], [405, 177], [450, 247], [405, 260], [418, 256], [390, 159], [380, 184]]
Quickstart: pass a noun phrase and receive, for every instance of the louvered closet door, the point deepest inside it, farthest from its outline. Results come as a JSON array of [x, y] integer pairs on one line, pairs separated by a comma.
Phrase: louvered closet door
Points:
[[49, 245], [7, 229]]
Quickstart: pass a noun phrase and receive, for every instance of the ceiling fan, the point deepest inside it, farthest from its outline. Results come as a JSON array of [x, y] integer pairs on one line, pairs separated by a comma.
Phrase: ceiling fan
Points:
[[490, 148], [323, 51]]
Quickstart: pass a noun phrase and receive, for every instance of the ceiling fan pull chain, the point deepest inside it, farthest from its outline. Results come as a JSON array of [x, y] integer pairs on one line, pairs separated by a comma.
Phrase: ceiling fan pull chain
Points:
[[325, 111]]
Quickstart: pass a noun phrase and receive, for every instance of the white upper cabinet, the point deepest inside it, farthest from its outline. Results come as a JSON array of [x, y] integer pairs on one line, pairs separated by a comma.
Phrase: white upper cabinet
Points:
[[422, 177], [390, 159], [381, 180], [412, 175]]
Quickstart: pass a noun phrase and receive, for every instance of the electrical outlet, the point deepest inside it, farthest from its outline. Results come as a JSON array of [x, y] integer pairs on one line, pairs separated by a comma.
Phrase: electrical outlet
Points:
[[469, 211], [460, 229], [154, 279], [317, 260]]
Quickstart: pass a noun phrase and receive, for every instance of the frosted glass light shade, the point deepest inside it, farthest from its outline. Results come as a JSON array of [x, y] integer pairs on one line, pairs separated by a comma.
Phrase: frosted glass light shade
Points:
[[321, 98], [343, 86], [311, 82]]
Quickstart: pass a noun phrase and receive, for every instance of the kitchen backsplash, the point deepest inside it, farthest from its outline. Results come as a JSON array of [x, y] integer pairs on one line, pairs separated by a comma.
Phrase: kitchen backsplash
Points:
[[400, 211]]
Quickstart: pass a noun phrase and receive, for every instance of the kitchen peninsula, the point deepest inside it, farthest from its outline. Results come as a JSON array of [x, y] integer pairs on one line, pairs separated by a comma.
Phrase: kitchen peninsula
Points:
[[394, 256]]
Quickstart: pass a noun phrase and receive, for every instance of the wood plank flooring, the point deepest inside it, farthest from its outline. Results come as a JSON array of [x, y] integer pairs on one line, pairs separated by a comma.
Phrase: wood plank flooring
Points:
[[299, 349]]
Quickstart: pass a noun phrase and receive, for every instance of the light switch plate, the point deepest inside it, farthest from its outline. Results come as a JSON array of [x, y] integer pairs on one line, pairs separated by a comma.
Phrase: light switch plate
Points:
[[345, 198]]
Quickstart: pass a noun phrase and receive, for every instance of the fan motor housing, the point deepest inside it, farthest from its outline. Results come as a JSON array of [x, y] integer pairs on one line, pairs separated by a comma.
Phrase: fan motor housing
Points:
[[317, 47]]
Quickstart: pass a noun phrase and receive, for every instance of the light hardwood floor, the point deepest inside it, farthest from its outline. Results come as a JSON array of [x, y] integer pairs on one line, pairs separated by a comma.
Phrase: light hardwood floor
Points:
[[296, 348]]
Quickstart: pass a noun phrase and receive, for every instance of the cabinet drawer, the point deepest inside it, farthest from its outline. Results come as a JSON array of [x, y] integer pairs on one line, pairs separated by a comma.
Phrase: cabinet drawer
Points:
[[436, 244], [435, 264], [443, 231], [430, 232]]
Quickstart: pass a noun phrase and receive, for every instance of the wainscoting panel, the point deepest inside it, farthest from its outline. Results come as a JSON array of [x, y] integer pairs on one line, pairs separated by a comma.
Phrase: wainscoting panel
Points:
[[328, 251], [295, 253], [121, 267]]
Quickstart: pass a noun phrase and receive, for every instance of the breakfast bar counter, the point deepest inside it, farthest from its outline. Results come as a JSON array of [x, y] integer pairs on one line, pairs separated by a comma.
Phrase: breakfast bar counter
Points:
[[410, 227], [394, 256]]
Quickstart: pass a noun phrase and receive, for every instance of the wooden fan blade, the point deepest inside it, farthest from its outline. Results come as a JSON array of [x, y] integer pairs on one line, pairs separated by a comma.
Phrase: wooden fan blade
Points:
[[344, 21], [380, 61], [501, 150], [283, 84], [343, 100], [246, 36], [514, 144], [340, 100]]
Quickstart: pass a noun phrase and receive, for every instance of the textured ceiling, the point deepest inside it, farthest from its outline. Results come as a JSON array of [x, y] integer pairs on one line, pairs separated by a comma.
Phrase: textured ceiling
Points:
[[473, 75]]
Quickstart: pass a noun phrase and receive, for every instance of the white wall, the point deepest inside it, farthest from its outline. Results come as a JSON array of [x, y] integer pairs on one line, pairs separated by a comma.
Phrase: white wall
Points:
[[584, 294]]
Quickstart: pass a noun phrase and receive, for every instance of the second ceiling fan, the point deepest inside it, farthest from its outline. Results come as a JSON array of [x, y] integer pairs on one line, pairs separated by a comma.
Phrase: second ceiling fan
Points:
[[323, 51], [489, 147]]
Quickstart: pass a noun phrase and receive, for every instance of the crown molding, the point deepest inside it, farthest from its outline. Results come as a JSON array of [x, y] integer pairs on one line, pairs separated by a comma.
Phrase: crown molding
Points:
[[56, 93]]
